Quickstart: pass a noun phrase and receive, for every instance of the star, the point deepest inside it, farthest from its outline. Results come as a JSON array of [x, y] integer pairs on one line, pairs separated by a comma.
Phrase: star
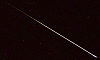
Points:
[[5, 54], [23, 40], [88, 17], [40, 43]]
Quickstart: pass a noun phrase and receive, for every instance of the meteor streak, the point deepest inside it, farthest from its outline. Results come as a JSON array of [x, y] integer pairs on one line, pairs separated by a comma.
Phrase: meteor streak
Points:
[[54, 31]]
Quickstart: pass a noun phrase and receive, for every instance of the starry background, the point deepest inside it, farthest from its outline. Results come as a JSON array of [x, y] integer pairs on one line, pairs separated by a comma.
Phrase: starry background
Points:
[[24, 39]]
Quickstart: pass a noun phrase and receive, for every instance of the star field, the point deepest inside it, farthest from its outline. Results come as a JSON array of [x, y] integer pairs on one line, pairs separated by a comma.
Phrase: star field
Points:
[[24, 39]]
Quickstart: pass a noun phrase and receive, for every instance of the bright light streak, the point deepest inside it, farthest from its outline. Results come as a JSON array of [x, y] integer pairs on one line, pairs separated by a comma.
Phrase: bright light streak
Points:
[[54, 31]]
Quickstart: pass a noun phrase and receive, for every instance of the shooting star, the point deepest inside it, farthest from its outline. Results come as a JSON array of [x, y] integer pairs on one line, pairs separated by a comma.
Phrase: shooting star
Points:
[[54, 31]]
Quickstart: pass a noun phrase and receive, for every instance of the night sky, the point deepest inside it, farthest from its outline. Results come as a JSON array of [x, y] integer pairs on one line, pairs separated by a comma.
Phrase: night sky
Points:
[[24, 39]]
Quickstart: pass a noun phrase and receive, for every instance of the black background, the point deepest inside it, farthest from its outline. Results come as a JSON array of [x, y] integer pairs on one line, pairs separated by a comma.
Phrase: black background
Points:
[[24, 39]]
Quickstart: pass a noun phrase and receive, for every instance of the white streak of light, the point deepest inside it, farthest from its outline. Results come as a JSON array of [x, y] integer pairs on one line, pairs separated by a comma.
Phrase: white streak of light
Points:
[[55, 32]]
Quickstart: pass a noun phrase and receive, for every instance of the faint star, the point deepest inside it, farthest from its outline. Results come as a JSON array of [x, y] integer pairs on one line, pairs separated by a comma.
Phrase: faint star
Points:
[[88, 17], [48, 53], [23, 40], [22, 8], [33, 2], [7, 29], [30, 3], [5, 54]]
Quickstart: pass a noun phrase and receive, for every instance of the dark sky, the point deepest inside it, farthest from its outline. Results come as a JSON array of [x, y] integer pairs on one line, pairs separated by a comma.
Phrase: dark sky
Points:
[[24, 39]]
